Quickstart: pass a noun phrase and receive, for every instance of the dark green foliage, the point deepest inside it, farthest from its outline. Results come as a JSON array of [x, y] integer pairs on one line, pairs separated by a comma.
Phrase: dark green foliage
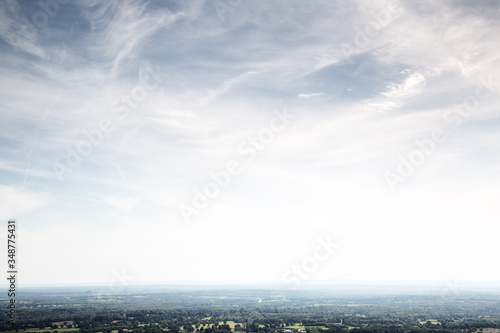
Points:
[[318, 312]]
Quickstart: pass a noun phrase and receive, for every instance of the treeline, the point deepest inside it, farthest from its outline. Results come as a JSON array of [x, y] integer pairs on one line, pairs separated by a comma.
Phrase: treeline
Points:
[[390, 314]]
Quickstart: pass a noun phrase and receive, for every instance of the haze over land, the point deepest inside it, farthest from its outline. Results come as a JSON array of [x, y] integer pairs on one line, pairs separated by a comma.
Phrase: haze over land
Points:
[[143, 310]]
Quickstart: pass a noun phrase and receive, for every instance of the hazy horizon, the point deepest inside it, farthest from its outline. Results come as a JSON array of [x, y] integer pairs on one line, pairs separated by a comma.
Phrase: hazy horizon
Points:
[[443, 287]]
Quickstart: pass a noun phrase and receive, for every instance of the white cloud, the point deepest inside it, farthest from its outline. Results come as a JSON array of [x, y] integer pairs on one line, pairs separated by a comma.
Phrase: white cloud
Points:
[[18, 31], [302, 95], [16, 202], [120, 28], [222, 80], [121, 202], [411, 85]]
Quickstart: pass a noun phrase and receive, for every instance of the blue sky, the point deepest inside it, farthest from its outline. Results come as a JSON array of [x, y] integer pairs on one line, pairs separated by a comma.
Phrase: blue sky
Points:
[[375, 124]]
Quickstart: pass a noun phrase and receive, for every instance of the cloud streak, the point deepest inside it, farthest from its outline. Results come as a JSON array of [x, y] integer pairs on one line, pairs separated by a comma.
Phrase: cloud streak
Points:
[[221, 82]]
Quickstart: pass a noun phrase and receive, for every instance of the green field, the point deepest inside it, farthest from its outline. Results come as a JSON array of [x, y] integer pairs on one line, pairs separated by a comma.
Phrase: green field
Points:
[[433, 321], [230, 323], [296, 327], [320, 327]]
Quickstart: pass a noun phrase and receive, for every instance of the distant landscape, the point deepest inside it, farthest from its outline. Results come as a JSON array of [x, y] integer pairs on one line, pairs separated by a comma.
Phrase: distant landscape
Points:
[[230, 166], [151, 309]]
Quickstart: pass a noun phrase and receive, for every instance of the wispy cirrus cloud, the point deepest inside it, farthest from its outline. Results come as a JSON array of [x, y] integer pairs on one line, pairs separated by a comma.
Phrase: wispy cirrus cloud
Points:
[[119, 29], [219, 84], [18, 31]]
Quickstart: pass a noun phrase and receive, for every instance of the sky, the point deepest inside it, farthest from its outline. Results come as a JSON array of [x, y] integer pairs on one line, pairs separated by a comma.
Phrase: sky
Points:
[[233, 142]]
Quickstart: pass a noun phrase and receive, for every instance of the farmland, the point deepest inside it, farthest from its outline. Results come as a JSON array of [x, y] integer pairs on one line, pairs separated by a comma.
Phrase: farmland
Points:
[[155, 310]]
